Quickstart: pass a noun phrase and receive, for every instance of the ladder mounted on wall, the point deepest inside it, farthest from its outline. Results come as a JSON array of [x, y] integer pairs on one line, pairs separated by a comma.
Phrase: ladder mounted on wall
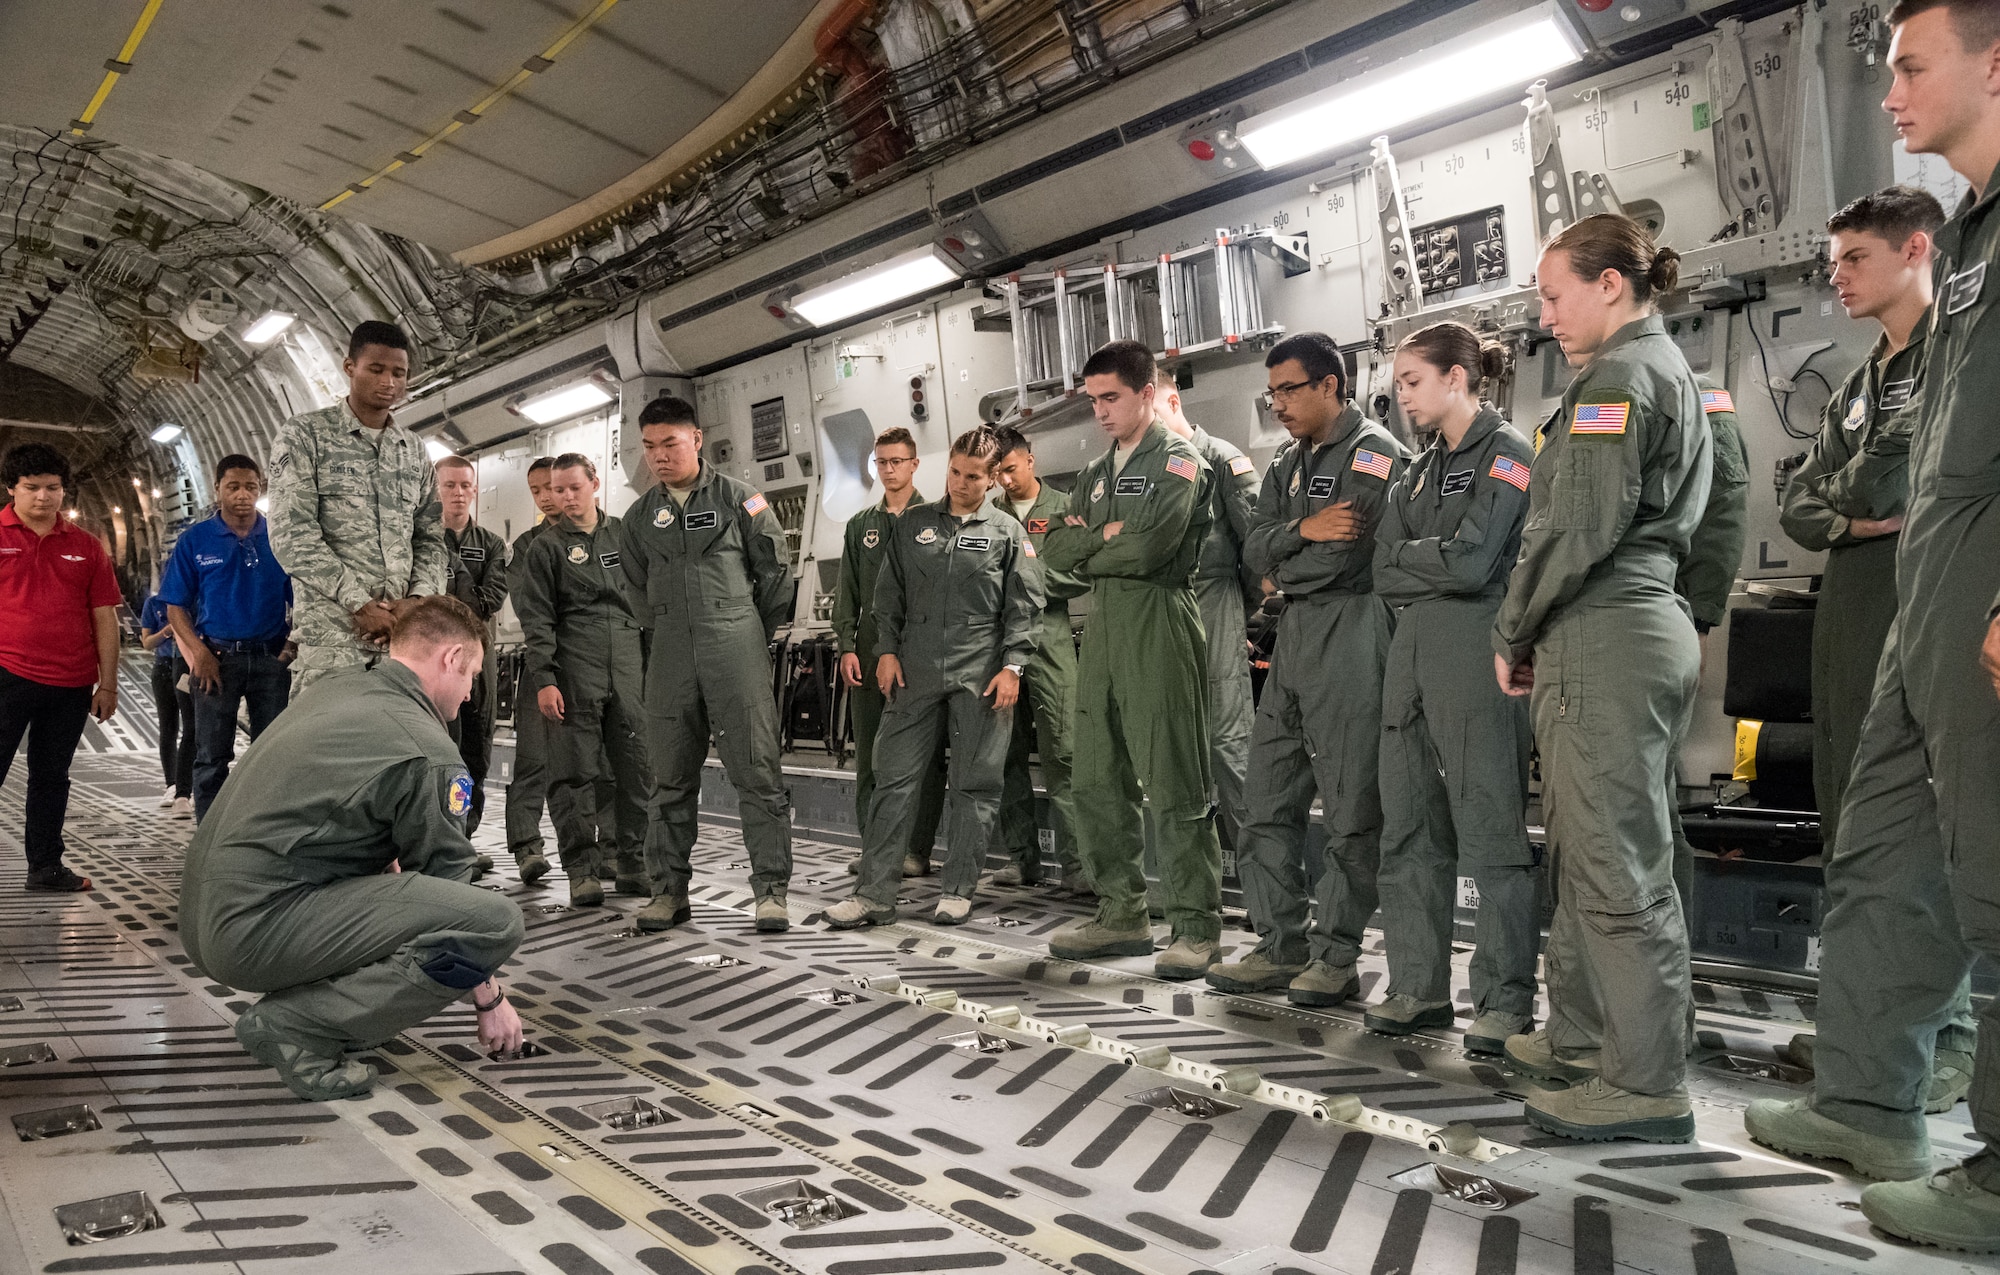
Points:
[[1193, 301]]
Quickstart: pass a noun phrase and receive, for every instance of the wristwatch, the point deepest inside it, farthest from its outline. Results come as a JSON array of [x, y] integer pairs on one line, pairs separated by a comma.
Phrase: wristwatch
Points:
[[1016, 669]]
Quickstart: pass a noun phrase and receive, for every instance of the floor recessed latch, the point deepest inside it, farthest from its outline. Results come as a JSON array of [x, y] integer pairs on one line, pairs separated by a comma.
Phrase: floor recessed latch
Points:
[[1195, 1106], [55, 1122], [23, 1055], [107, 1217], [9, 1004], [799, 1204], [717, 961], [1478, 1190], [832, 996], [979, 1042], [528, 1049], [1761, 1069], [627, 1113]]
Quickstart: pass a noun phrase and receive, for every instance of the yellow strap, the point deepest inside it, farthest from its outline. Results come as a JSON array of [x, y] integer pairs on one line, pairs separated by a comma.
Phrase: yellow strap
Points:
[[1747, 731]]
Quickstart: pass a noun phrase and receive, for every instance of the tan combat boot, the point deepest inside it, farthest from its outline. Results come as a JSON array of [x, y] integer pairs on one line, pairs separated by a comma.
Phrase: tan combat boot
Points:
[[1598, 1111], [1256, 972], [1186, 958]]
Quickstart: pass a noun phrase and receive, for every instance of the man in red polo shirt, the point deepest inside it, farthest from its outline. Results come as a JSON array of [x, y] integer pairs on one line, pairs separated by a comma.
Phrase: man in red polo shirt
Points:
[[58, 639]]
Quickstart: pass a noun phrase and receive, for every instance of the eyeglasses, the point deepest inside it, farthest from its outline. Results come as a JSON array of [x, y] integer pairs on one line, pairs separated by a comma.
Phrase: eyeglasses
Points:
[[894, 462], [1276, 392]]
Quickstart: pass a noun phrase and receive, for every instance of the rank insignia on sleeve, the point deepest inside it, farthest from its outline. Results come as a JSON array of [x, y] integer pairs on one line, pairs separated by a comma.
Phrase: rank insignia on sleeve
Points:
[[663, 517], [1183, 467], [1374, 464], [1241, 466], [1510, 471], [870, 538], [756, 504], [459, 799], [579, 555], [1599, 418], [1717, 401]]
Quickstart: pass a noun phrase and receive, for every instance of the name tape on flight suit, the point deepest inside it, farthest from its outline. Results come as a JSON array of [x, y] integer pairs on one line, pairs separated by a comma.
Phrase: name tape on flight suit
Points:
[[1963, 288], [979, 543], [1183, 467], [1456, 483], [472, 553], [1897, 394], [1241, 466], [1510, 471], [703, 521], [1320, 487], [1374, 464], [1134, 485], [608, 559], [1599, 418]]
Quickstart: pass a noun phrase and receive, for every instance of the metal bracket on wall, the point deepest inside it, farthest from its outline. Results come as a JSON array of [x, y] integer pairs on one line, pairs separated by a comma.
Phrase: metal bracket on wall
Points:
[[1400, 292], [1555, 205]]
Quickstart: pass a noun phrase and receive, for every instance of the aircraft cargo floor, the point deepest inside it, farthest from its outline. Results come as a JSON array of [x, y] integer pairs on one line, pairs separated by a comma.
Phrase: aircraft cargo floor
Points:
[[714, 1100]]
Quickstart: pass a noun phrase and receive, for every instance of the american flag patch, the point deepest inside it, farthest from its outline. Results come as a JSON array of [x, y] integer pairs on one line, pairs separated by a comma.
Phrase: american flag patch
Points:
[[1600, 418], [1182, 467], [1240, 466], [1028, 548], [756, 504], [1374, 464], [1508, 470], [1717, 401]]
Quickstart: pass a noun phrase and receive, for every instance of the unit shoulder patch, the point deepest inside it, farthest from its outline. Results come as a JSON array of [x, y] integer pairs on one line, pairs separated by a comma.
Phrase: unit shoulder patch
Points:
[[663, 516], [579, 555], [458, 797], [870, 538], [1857, 413], [928, 536], [1600, 418], [1241, 465]]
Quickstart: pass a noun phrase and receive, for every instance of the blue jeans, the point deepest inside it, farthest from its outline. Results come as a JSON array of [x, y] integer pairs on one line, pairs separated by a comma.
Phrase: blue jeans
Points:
[[265, 682]]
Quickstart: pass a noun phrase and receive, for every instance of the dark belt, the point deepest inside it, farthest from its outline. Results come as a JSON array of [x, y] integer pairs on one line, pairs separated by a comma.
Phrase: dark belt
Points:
[[258, 646]]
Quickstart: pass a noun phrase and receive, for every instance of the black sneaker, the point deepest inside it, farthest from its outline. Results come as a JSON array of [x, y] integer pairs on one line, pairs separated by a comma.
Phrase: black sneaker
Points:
[[58, 880]]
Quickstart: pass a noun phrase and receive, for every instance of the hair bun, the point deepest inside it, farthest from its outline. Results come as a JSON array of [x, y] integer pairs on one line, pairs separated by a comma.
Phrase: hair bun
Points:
[[1493, 359], [1665, 272]]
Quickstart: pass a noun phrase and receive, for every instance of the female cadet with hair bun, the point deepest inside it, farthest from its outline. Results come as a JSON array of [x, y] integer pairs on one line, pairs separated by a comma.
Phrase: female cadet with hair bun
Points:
[[957, 607], [1592, 627], [1454, 760]]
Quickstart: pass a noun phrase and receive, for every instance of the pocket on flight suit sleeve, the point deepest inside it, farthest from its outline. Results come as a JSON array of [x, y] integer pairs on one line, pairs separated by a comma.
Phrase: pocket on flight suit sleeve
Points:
[[1575, 498]]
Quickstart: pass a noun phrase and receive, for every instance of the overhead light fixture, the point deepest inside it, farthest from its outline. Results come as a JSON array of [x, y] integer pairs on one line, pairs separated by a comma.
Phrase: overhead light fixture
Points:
[[266, 330], [560, 404], [1500, 56], [263, 504], [901, 276], [167, 433], [436, 449]]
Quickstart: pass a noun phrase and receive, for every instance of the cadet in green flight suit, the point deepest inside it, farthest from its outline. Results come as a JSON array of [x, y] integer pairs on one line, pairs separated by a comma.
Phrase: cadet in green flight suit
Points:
[[354, 512], [707, 560], [864, 544], [332, 873], [1319, 724], [1134, 527], [1847, 500], [1224, 592], [1593, 627], [1454, 748], [1913, 884], [956, 607], [475, 573], [1042, 716], [530, 788], [581, 631]]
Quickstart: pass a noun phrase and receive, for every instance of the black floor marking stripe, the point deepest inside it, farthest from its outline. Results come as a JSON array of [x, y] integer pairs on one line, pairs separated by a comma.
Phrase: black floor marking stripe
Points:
[[889, 1044], [759, 1171], [1756, 1181], [713, 1153], [897, 1075], [1592, 1237], [305, 1192], [851, 1239], [1664, 1161], [1028, 1075], [988, 1216], [888, 1169], [187, 1257], [779, 1033], [1072, 1107], [755, 971], [1167, 1228], [1816, 1240], [1160, 1173], [1094, 1230], [845, 1030], [208, 1144], [1404, 1233], [266, 1222], [1712, 1255], [1113, 1137], [1500, 1247], [894, 1146], [1256, 1153], [981, 1183], [1633, 1189], [241, 1122], [914, 1265], [1323, 1211], [949, 1141]]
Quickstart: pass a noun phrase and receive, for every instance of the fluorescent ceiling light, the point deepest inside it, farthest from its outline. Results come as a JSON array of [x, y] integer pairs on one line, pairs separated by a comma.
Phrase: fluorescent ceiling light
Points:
[[546, 409], [436, 449], [1507, 54], [166, 433], [266, 330], [901, 276]]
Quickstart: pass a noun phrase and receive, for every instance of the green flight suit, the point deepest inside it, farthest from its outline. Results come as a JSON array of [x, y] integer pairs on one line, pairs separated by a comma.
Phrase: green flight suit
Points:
[[354, 517], [476, 574], [1859, 467], [864, 544], [1141, 724], [1707, 576], [581, 632], [1621, 479], [956, 602], [529, 788], [1223, 593], [1913, 884], [1043, 715], [715, 579], [1319, 723], [284, 891], [1454, 746]]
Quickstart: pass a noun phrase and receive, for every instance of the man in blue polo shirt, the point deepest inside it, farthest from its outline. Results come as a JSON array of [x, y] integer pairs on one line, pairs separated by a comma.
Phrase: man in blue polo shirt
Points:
[[229, 603]]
